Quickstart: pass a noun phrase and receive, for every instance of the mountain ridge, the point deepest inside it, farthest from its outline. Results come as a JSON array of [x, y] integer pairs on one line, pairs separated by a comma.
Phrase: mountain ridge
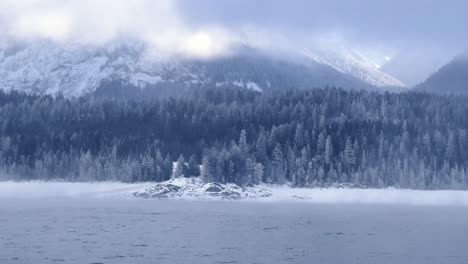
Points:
[[451, 78], [45, 67]]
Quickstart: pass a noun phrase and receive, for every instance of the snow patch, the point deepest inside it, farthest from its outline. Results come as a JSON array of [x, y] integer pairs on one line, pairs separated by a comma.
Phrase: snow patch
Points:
[[352, 62], [249, 85], [239, 83], [144, 79], [253, 86]]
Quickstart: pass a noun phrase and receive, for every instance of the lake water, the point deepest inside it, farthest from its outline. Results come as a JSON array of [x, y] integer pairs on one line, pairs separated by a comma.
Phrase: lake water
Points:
[[78, 230]]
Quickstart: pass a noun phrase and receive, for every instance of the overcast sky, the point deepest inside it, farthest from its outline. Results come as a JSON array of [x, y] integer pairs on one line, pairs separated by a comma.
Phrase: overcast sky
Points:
[[414, 36], [418, 35]]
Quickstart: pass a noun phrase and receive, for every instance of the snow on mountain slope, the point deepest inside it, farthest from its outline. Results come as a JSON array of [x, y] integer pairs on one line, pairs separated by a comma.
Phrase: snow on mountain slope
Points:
[[351, 62], [46, 67]]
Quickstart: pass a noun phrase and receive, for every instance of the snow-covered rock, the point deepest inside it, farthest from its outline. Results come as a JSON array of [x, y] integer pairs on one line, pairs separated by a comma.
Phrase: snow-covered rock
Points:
[[194, 188]]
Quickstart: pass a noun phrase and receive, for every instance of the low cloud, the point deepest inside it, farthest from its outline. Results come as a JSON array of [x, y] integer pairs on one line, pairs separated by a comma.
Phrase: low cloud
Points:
[[375, 196], [413, 38], [157, 22], [167, 25]]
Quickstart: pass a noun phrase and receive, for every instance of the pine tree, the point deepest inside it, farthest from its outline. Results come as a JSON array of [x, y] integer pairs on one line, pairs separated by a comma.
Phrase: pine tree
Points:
[[301, 175], [250, 169], [180, 168], [328, 150], [290, 163], [261, 148], [427, 144], [322, 122], [381, 150], [278, 165], [193, 168], [321, 142], [451, 151], [349, 155], [310, 175], [357, 152], [243, 142], [87, 171], [463, 146], [404, 143], [299, 137], [258, 173], [332, 176]]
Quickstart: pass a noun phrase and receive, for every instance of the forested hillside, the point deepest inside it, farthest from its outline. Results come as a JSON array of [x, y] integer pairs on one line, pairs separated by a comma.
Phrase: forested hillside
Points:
[[320, 137]]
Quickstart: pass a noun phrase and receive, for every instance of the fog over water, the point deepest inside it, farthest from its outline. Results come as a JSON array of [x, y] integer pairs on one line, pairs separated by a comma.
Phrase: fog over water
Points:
[[115, 190]]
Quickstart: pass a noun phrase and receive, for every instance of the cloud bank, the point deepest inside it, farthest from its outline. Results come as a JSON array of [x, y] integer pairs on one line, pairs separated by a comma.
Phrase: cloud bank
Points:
[[410, 39], [418, 35], [157, 22]]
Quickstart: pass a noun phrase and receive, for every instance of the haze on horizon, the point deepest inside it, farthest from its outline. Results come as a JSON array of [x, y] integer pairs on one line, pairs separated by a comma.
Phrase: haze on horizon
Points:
[[409, 40]]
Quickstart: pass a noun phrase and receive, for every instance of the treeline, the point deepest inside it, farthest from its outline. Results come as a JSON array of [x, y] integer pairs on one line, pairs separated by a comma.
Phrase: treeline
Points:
[[321, 137]]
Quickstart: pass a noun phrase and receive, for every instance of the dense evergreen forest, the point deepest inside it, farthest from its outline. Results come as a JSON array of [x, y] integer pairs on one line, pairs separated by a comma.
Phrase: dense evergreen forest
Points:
[[311, 138]]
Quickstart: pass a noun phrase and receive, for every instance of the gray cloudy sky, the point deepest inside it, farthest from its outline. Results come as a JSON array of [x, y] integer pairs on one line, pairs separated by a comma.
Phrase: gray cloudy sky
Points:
[[396, 21], [412, 37], [418, 35]]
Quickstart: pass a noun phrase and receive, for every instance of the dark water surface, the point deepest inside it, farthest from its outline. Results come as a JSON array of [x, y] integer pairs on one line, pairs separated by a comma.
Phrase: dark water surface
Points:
[[152, 231]]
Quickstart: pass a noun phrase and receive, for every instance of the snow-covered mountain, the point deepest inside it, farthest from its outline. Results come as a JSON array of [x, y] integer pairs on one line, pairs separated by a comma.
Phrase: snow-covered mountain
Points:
[[351, 62], [46, 67]]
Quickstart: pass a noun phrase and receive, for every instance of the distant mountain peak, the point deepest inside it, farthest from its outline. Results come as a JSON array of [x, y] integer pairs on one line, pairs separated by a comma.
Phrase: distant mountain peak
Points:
[[451, 78]]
